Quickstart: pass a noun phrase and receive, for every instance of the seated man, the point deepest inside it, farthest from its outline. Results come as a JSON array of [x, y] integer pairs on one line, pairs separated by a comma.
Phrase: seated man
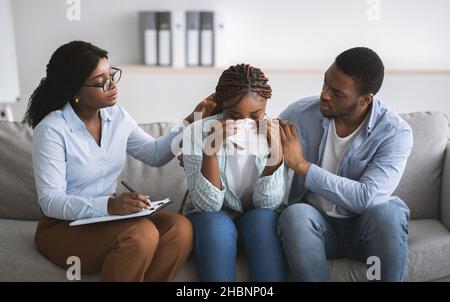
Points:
[[348, 151]]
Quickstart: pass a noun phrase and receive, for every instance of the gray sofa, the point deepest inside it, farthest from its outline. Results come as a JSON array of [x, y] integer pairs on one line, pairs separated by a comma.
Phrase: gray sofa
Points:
[[425, 187]]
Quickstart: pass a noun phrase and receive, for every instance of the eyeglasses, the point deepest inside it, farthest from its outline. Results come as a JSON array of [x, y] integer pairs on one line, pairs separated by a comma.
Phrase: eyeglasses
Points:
[[115, 75]]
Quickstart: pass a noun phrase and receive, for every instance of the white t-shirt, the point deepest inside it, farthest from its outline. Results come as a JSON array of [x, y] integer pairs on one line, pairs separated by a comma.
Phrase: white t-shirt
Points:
[[335, 148], [242, 174]]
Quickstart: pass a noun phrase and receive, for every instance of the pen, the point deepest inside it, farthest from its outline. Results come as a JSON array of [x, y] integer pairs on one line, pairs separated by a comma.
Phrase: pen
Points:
[[132, 190], [127, 186]]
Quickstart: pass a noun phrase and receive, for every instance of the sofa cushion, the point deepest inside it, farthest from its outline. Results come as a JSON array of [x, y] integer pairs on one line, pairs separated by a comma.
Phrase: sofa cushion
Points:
[[189, 273], [17, 188], [445, 194], [21, 261], [429, 247], [420, 185], [19, 258]]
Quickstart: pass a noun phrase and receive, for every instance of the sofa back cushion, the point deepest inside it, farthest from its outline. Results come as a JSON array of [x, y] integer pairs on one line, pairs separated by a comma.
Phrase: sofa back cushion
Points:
[[18, 197], [159, 183], [420, 186]]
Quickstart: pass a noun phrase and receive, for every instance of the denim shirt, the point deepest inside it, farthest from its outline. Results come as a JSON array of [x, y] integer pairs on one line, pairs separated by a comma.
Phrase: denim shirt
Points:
[[371, 167], [203, 196]]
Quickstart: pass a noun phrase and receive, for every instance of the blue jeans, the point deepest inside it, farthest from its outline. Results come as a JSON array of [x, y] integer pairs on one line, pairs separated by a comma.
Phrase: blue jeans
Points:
[[309, 238], [215, 245]]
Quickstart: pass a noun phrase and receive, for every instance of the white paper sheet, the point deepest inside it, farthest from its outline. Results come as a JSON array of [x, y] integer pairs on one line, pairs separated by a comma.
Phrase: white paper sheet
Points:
[[155, 206]]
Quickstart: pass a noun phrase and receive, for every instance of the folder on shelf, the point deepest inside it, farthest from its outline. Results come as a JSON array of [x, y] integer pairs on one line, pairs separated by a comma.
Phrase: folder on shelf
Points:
[[149, 36], [178, 38], [220, 58], [207, 38], [164, 39], [192, 38]]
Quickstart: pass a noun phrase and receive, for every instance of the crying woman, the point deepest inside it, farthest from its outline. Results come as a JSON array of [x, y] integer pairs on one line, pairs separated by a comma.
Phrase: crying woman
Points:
[[236, 180]]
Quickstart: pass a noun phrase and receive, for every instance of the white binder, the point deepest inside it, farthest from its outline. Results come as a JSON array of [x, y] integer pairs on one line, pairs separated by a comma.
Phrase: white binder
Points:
[[220, 55], [178, 39], [164, 39]]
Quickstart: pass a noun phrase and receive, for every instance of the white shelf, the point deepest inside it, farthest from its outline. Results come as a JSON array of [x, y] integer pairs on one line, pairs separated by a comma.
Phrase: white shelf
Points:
[[160, 69]]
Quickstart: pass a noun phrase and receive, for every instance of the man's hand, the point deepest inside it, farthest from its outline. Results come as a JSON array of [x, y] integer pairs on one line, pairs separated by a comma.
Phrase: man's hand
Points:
[[206, 108], [292, 148], [128, 203]]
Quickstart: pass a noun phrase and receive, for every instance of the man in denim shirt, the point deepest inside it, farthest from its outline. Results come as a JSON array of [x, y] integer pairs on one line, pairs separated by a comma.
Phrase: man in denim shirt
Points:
[[348, 151]]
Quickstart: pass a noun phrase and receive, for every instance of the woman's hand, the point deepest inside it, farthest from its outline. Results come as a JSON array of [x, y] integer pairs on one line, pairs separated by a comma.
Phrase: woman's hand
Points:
[[218, 135], [215, 140], [274, 141], [128, 203], [206, 108], [272, 129]]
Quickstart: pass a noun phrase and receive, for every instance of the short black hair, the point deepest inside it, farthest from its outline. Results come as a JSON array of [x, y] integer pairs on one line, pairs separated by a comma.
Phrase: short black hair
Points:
[[364, 66]]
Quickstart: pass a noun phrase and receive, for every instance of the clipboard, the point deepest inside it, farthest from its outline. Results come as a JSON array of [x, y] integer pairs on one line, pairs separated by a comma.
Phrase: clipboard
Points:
[[155, 206]]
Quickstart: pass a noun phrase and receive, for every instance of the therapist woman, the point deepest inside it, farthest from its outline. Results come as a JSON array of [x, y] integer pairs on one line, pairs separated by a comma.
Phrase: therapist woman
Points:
[[80, 141]]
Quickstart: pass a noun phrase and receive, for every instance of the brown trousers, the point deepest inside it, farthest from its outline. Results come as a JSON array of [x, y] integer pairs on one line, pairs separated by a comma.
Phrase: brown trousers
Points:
[[141, 249]]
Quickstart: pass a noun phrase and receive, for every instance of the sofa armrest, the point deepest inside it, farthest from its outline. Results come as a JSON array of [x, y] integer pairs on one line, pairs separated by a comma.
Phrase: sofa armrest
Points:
[[445, 189]]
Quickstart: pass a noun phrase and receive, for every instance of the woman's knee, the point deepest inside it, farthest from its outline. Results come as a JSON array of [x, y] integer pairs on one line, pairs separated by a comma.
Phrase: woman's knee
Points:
[[259, 219], [260, 214], [142, 235], [212, 225], [182, 229]]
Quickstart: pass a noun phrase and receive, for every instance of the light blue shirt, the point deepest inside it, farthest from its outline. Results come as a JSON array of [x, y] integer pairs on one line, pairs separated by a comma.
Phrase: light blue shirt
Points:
[[268, 192], [370, 169], [75, 176]]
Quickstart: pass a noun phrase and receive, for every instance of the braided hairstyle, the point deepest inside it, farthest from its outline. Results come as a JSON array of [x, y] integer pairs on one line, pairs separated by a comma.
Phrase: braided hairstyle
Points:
[[236, 82]]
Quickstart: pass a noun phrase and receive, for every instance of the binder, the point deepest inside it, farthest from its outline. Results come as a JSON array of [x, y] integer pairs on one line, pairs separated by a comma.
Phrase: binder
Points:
[[220, 58], [164, 39], [178, 38], [149, 35], [192, 38], [206, 38]]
